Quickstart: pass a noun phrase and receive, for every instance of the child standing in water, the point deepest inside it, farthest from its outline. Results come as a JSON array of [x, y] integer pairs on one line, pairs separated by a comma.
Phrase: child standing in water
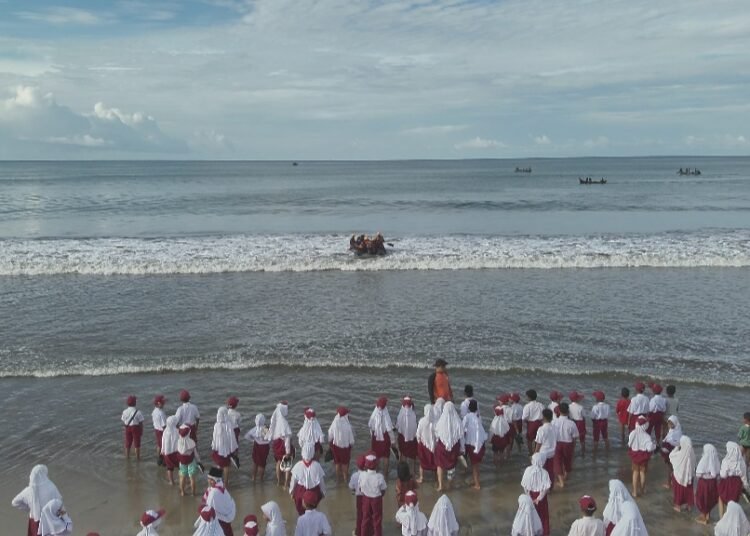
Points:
[[600, 420], [159, 419], [500, 436], [187, 455], [621, 409], [132, 418], [404, 483], [578, 416], [640, 447], [406, 425], [532, 414], [234, 416], [261, 446]]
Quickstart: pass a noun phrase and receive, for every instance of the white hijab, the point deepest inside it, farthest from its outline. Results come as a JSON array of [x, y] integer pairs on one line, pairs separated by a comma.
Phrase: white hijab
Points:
[[437, 409], [224, 441], [307, 472], [631, 522], [276, 526], [41, 491], [527, 521], [674, 434], [449, 429], [683, 462], [185, 444], [406, 423], [257, 433], [442, 519], [340, 432], [413, 521], [733, 463], [618, 495], [150, 529], [222, 503], [709, 466], [170, 436], [474, 431], [311, 432], [500, 426], [734, 522], [208, 528], [535, 477], [380, 422], [50, 524], [426, 429], [279, 427], [640, 440]]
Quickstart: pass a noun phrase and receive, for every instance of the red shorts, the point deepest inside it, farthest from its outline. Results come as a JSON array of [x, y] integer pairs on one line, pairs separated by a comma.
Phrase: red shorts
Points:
[[600, 429], [563, 457], [297, 493], [341, 455], [171, 461], [260, 453], [407, 449], [581, 425], [531, 429], [474, 456], [133, 435], [382, 449], [501, 443]]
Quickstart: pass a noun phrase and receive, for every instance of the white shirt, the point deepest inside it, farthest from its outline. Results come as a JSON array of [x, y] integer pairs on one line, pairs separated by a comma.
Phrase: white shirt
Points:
[[221, 501], [565, 429], [517, 411], [354, 483], [308, 477], [371, 484], [128, 414], [600, 411], [187, 413], [638, 405], [657, 404], [313, 523], [587, 526], [234, 417], [575, 411], [159, 418], [532, 411], [545, 437]]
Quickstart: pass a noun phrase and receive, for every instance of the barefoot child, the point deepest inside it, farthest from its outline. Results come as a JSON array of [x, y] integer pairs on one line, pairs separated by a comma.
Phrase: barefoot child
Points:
[[169, 448], [671, 440], [640, 447], [426, 442], [621, 409], [311, 432], [261, 446], [683, 463], [132, 418], [638, 405], [223, 443], [536, 483], [159, 420], [280, 437], [404, 483], [380, 428], [516, 417], [406, 425], [578, 416], [413, 522], [546, 443], [372, 486], [234, 416], [449, 438], [657, 407], [188, 414], [474, 439], [468, 397], [743, 436], [707, 474], [307, 476], [565, 445], [187, 455], [341, 440], [354, 488], [527, 521], [732, 476], [600, 421], [500, 436], [555, 398], [532, 414]]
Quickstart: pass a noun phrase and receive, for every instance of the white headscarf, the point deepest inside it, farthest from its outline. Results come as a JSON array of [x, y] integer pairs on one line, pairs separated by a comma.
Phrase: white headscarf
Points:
[[50, 524], [279, 427], [258, 433], [380, 422], [208, 528], [413, 521], [41, 491], [406, 423], [442, 519], [150, 529], [734, 522], [631, 522], [733, 463], [276, 526], [640, 440], [527, 521], [618, 495], [674, 434], [185, 444], [221, 501], [474, 431], [437, 409], [170, 436], [311, 432], [709, 466], [535, 477], [683, 462], [340, 432], [449, 429], [308, 473], [500, 426], [224, 441], [426, 429]]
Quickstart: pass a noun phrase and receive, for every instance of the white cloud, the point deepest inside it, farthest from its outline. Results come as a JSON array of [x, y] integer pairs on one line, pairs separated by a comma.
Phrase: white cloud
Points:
[[480, 143], [61, 15], [434, 129], [542, 140]]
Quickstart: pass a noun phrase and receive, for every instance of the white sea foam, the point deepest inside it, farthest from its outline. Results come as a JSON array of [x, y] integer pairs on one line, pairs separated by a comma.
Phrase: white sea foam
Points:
[[308, 253]]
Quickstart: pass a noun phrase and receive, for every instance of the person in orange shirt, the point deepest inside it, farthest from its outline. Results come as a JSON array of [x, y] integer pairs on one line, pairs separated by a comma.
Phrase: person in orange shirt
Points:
[[439, 384]]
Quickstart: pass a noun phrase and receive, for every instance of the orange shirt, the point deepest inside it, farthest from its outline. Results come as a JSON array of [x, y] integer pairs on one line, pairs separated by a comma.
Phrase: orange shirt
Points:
[[443, 387]]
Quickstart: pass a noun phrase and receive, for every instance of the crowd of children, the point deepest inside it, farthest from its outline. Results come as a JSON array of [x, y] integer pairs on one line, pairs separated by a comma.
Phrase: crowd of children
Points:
[[440, 440]]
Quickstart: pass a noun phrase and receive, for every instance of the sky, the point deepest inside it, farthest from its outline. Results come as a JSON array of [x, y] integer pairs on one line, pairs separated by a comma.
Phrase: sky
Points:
[[373, 79]]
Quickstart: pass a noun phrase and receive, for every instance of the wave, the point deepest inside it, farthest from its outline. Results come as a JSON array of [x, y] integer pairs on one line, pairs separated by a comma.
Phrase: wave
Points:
[[310, 253]]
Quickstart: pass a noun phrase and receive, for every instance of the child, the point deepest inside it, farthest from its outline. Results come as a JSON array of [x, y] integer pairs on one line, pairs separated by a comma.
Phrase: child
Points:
[[341, 439], [536, 483], [250, 525], [673, 403], [217, 497], [450, 435], [372, 486], [426, 443], [631, 522], [733, 523], [261, 446], [307, 476], [159, 419], [587, 524], [33, 497], [527, 522], [468, 397], [187, 456], [280, 437], [743, 436], [312, 522], [474, 439], [618, 496], [132, 418], [150, 521], [707, 491], [443, 519], [169, 448], [671, 440], [683, 463], [223, 443], [500, 435], [516, 417], [207, 524], [235, 418], [622, 412], [413, 522], [565, 445], [188, 414], [55, 521], [406, 425], [532, 414], [640, 447], [354, 487], [578, 416], [638, 405], [546, 443], [380, 427], [275, 522], [555, 398], [600, 421], [732, 476], [404, 483], [657, 407], [311, 432]]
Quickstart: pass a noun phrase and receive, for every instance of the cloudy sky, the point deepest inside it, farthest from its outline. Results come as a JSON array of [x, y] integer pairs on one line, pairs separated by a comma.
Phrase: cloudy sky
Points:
[[373, 79]]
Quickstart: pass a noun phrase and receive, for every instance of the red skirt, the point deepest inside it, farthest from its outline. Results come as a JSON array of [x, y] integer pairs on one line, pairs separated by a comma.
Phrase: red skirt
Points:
[[563, 457], [221, 461], [682, 494], [407, 449], [655, 421], [543, 510], [382, 449], [473, 455], [279, 449], [33, 527], [666, 448], [706, 495], [639, 457], [297, 493], [610, 527], [444, 458], [260, 453], [730, 489], [426, 458], [171, 461], [531, 429], [226, 528], [581, 425], [501, 443], [341, 455], [600, 429]]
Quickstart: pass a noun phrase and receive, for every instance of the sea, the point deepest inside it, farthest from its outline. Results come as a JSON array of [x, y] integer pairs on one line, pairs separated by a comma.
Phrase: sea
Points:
[[124, 277]]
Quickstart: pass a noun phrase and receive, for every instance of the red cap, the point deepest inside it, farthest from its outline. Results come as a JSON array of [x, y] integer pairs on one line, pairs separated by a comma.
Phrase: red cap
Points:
[[309, 413], [159, 399], [498, 410], [184, 395], [598, 396], [361, 462], [656, 388], [382, 402], [207, 513], [406, 401], [130, 401], [232, 402], [371, 461], [342, 411], [640, 387], [504, 398], [149, 516], [515, 397], [575, 396], [410, 498], [587, 503], [310, 498], [555, 396]]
